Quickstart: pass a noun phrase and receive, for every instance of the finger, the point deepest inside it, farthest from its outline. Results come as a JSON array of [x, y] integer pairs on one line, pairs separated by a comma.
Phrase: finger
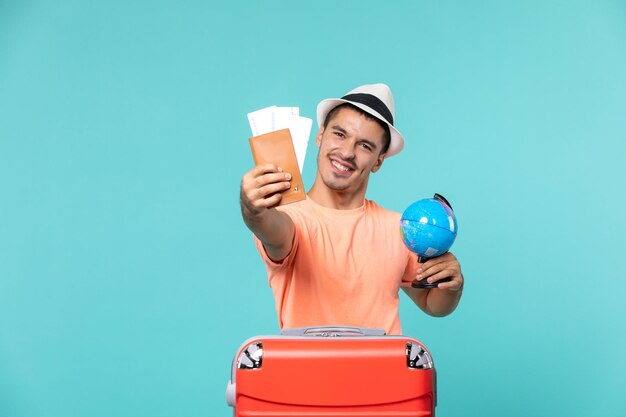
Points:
[[250, 187], [257, 171], [445, 257], [265, 179], [450, 263], [267, 190], [451, 286], [272, 200], [440, 275], [433, 269], [431, 263], [264, 169], [254, 197]]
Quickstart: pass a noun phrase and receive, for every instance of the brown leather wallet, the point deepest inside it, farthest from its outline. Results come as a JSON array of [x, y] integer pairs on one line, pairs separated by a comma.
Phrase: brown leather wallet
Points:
[[277, 148]]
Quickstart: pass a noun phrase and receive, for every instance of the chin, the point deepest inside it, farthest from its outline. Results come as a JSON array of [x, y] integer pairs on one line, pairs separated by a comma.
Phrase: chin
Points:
[[337, 187]]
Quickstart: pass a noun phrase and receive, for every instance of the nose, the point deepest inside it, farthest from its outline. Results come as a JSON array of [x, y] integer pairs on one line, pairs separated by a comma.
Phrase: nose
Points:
[[346, 149]]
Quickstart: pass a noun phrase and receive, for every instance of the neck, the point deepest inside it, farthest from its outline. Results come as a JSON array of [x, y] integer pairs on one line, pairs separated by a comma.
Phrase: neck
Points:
[[336, 199]]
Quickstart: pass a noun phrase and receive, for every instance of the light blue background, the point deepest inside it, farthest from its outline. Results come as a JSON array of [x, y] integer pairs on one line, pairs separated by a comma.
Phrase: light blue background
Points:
[[128, 280]]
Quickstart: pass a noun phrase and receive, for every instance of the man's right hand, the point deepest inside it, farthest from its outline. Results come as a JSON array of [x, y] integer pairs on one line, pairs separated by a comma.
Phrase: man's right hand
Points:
[[261, 191]]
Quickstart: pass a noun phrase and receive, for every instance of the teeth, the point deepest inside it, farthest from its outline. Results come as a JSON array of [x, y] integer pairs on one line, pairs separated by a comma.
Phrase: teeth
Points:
[[339, 166]]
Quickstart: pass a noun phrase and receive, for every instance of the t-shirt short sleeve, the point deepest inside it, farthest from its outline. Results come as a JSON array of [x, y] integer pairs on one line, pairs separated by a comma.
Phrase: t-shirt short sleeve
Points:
[[411, 267], [269, 262]]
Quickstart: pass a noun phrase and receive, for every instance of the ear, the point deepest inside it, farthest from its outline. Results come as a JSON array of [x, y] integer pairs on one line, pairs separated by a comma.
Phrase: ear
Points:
[[318, 138], [379, 162]]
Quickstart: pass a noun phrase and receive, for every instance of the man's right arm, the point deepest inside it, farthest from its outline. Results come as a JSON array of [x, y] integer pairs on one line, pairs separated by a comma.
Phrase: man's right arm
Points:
[[260, 194]]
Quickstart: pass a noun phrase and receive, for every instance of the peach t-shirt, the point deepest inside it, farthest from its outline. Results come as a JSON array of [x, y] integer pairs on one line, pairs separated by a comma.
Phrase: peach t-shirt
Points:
[[345, 268]]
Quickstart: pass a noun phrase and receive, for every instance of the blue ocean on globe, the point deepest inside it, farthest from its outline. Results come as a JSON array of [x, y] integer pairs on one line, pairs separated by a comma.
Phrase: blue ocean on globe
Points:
[[428, 227]]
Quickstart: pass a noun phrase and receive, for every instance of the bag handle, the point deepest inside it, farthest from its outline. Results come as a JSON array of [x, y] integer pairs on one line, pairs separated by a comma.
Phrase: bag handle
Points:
[[333, 331]]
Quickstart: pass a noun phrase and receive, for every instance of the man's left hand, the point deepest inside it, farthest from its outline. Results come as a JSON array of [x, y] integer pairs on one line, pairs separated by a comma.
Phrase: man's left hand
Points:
[[443, 266]]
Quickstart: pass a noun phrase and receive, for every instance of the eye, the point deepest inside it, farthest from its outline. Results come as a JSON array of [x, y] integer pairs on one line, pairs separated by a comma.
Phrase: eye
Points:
[[366, 146], [339, 134]]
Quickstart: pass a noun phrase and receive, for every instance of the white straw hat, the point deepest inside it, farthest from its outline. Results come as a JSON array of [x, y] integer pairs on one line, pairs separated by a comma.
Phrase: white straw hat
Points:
[[374, 99]]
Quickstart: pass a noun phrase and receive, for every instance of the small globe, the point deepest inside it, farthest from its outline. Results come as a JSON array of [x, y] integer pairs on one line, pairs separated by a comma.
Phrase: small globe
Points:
[[428, 227]]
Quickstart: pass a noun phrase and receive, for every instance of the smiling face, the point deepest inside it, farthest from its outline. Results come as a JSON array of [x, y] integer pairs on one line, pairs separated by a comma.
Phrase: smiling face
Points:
[[350, 148]]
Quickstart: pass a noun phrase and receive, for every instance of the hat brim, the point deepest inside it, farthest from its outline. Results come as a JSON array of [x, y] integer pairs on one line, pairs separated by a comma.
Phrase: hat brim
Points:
[[325, 106]]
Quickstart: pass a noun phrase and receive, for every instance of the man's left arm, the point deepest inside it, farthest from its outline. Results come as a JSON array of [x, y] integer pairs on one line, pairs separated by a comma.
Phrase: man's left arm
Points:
[[443, 300]]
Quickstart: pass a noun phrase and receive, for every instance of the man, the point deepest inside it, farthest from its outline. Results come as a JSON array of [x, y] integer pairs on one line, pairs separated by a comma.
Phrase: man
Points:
[[337, 258]]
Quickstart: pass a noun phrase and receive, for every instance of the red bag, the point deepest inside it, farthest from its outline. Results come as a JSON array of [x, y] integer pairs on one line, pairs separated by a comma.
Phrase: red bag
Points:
[[340, 371]]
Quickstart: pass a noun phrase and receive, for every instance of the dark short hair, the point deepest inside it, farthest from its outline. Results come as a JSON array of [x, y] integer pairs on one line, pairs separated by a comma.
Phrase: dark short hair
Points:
[[386, 136]]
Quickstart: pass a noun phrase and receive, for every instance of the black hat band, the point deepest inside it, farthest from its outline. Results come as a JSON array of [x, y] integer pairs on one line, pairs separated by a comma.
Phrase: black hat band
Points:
[[372, 102]]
